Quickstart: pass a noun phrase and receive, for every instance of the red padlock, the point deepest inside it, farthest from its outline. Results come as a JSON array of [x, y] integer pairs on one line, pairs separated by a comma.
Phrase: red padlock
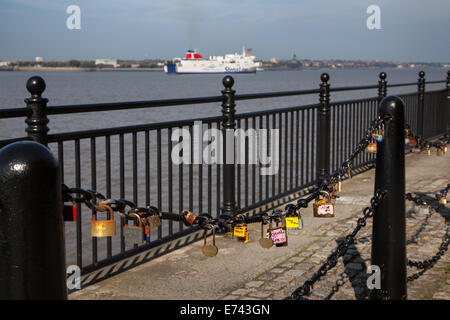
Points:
[[70, 212]]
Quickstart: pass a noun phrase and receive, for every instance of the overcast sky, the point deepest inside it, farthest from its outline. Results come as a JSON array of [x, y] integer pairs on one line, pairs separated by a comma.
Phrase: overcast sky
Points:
[[411, 30]]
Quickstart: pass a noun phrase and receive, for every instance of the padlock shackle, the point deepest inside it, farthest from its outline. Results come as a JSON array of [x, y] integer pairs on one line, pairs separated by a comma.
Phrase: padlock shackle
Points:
[[104, 206], [139, 219]]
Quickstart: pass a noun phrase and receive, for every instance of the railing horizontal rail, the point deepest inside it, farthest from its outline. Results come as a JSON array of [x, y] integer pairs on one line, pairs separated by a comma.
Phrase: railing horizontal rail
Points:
[[85, 134], [111, 106]]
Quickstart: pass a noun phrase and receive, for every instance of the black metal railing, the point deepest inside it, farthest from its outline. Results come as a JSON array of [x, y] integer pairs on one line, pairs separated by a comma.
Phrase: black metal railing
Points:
[[134, 162]]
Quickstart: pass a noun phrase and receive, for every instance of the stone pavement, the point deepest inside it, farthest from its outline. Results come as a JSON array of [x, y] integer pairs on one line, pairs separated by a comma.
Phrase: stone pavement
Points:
[[247, 271]]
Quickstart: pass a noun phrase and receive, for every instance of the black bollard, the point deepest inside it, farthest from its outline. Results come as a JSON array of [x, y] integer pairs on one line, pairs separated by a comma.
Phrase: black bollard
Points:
[[389, 229], [32, 252]]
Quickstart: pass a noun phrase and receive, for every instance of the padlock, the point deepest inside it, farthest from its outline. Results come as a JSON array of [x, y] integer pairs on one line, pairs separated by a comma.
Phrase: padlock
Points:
[[189, 217], [134, 234], [154, 219], [279, 235], [323, 208], [208, 249], [265, 241], [243, 239], [424, 209], [372, 146], [440, 151], [103, 228], [416, 150], [70, 212], [240, 230], [412, 142], [427, 151]]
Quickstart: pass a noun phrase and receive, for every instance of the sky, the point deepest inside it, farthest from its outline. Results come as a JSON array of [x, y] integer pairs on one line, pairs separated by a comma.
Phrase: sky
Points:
[[411, 30]]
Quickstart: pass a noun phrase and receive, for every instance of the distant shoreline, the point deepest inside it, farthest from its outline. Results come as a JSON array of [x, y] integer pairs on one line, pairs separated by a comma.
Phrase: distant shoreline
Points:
[[76, 69], [161, 69]]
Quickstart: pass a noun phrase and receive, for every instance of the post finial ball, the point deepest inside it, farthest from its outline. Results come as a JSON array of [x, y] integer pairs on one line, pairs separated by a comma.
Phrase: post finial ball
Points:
[[324, 77], [36, 86], [383, 75], [228, 81], [421, 74]]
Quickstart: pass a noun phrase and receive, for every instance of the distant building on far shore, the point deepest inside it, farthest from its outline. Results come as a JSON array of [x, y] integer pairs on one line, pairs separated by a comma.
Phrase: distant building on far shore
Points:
[[112, 62], [39, 59], [5, 63]]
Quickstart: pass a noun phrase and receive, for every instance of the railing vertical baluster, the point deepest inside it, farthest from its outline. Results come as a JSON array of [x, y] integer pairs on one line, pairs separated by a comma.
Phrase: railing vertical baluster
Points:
[[274, 124], [108, 188], [323, 130], [238, 173], [37, 122], [421, 103], [147, 168], [122, 186], [135, 168], [247, 141], [159, 170], [448, 102], [209, 182], [79, 216], [229, 168], [191, 171], [170, 178], [181, 185], [253, 166], [94, 187]]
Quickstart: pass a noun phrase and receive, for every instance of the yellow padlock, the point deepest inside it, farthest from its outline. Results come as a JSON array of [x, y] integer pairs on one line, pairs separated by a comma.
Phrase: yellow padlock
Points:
[[103, 228]]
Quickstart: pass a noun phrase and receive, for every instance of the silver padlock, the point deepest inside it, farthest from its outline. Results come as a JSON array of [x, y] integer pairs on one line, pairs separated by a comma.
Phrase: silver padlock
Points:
[[424, 209], [134, 234]]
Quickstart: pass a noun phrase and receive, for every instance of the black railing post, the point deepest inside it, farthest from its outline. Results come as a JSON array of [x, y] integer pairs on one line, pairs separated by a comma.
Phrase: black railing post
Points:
[[323, 130], [382, 87], [448, 102], [228, 126], [389, 221], [37, 122], [421, 103], [32, 251]]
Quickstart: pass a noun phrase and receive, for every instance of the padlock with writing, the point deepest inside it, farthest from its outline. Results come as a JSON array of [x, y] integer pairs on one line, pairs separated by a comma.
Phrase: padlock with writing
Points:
[[103, 228], [323, 208], [134, 234], [279, 235]]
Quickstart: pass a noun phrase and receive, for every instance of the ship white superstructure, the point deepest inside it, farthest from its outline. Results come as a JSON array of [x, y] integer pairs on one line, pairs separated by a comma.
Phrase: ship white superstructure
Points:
[[193, 63]]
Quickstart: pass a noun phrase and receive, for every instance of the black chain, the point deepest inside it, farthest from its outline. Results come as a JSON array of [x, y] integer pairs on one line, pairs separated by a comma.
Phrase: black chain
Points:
[[428, 263], [305, 290]]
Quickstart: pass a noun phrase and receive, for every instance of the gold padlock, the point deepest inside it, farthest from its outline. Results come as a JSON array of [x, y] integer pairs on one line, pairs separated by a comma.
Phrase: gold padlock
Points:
[[427, 151], [372, 146], [103, 228], [323, 208], [440, 151]]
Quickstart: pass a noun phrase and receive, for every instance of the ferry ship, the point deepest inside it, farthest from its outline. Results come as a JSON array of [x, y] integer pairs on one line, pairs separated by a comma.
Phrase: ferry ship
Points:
[[194, 63]]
